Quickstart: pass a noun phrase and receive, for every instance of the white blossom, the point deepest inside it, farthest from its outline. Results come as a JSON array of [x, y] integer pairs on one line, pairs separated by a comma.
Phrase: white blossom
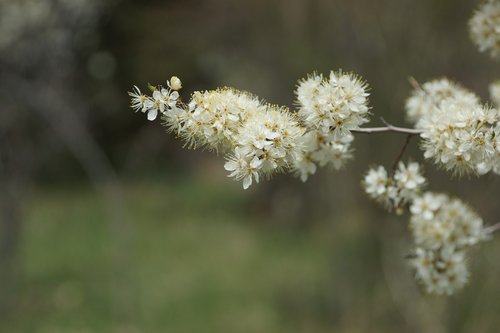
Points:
[[438, 221], [485, 28], [243, 167], [441, 271], [442, 228], [420, 105], [394, 192], [273, 137], [458, 133], [376, 182], [214, 117], [329, 109], [339, 103], [161, 101], [409, 178], [137, 99]]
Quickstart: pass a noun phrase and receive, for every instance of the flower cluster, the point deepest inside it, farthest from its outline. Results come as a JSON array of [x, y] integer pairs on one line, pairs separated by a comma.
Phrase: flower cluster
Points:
[[438, 221], [267, 142], [394, 192], [424, 99], [443, 229], [485, 28], [213, 118], [162, 100], [330, 108], [441, 271], [261, 139], [457, 131], [495, 93]]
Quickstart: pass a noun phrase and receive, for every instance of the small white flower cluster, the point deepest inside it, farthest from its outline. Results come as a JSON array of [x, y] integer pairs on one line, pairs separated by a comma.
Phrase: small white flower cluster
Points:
[[443, 229], [330, 108], [495, 93], [261, 139], [485, 28], [457, 131], [394, 192], [162, 101], [424, 99]]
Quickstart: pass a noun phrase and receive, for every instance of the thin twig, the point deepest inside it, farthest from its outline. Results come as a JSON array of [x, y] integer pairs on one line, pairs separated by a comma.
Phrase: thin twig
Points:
[[387, 128], [401, 153], [390, 128], [492, 228]]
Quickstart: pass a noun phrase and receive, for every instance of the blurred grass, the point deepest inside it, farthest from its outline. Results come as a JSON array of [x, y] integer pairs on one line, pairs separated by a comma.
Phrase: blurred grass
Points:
[[192, 271], [192, 258]]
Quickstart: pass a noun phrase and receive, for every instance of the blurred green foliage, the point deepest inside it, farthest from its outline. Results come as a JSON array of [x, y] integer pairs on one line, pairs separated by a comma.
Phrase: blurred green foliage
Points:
[[198, 263]]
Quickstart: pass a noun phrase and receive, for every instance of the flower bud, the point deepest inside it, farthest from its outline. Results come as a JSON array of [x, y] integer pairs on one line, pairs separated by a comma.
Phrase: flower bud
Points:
[[175, 83]]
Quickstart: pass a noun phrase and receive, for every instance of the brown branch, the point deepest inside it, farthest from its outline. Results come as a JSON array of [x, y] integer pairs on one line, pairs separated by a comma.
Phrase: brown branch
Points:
[[401, 153]]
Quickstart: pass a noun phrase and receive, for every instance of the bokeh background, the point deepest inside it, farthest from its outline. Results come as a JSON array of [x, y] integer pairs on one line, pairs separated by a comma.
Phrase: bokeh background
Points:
[[109, 225]]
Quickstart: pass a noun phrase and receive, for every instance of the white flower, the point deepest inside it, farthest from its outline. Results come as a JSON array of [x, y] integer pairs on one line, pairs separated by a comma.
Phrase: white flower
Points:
[[138, 99], [485, 28], [375, 182], [169, 98], [304, 166], [243, 167], [154, 105], [409, 177], [427, 204]]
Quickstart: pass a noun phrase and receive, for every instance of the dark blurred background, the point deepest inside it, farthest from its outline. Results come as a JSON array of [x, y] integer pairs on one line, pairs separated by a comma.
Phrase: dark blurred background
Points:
[[109, 225]]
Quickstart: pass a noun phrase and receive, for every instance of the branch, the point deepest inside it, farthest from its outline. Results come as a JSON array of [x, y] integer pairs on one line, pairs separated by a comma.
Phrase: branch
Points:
[[389, 128], [401, 153], [492, 228]]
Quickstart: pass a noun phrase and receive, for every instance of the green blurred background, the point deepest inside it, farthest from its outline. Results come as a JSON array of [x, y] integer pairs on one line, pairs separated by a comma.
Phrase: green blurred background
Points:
[[109, 225]]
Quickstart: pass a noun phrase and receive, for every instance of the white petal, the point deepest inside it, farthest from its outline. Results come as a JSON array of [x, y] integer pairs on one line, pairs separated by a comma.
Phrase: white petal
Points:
[[247, 181], [231, 165], [256, 163], [152, 114], [174, 95], [157, 95]]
